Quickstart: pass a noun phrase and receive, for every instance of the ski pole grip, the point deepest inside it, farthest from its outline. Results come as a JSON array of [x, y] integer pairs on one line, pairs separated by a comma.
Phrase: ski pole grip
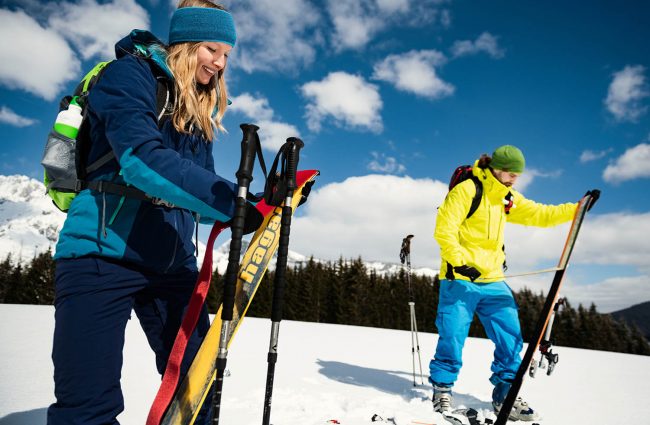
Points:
[[230, 278], [293, 156], [249, 146]]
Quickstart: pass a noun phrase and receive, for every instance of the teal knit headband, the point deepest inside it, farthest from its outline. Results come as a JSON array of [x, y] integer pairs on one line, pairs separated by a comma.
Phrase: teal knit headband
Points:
[[202, 24]]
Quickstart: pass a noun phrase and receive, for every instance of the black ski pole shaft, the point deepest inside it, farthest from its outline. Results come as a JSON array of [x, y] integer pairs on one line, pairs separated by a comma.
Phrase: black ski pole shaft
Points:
[[542, 322], [292, 156], [249, 146], [405, 256]]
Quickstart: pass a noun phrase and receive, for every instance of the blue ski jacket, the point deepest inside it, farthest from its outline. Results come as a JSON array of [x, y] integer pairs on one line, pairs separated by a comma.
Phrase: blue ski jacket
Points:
[[160, 161]]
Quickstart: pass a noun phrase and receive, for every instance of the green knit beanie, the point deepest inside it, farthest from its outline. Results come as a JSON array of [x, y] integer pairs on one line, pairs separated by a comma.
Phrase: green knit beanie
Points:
[[508, 158]]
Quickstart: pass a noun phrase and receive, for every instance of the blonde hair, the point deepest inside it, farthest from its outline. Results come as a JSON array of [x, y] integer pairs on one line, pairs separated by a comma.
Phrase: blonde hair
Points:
[[195, 103]]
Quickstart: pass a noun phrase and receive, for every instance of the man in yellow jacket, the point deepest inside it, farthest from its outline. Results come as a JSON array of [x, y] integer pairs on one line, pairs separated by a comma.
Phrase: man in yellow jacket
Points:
[[472, 273]]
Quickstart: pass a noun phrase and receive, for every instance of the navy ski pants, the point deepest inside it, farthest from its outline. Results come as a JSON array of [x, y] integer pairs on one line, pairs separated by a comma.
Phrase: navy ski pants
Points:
[[94, 300], [497, 310]]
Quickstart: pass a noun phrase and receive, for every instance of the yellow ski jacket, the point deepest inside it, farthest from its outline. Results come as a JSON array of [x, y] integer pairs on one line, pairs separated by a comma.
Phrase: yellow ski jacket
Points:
[[478, 241]]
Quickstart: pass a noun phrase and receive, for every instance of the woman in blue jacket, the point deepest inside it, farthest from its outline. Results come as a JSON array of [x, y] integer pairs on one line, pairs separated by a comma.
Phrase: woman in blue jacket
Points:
[[119, 253]]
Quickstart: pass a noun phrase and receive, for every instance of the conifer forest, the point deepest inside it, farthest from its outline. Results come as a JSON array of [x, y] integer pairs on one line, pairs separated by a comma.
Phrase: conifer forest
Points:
[[345, 292]]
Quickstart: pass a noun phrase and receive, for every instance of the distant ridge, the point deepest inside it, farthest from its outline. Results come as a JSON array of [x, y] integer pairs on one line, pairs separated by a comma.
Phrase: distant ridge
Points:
[[637, 315]]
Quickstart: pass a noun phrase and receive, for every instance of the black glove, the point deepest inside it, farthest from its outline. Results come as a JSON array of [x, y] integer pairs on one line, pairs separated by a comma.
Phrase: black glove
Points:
[[468, 271], [305, 192], [595, 194]]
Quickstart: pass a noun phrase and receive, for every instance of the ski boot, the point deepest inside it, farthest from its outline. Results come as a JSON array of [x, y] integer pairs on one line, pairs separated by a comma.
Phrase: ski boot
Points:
[[521, 411], [442, 399]]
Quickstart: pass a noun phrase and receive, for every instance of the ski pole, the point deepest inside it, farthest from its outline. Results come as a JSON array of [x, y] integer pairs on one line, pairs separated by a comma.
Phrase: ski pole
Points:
[[249, 146], [290, 152], [405, 256]]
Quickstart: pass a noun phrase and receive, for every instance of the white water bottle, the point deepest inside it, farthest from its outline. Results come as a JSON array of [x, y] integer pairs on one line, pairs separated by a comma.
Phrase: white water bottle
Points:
[[69, 120]]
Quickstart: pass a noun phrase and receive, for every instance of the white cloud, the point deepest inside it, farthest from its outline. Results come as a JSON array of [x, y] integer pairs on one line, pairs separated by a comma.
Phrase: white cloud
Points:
[[91, 27], [353, 27], [616, 238], [589, 155], [369, 216], [415, 72], [626, 93], [582, 286], [347, 98], [32, 50], [445, 18], [276, 35], [8, 116], [381, 163], [524, 180], [256, 107], [393, 6], [606, 241], [356, 22], [633, 164], [610, 294], [272, 133], [486, 42], [299, 28], [94, 28], [527, 177]]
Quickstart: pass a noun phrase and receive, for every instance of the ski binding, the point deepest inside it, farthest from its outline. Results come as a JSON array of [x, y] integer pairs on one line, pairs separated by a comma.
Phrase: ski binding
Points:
[[467, 417]]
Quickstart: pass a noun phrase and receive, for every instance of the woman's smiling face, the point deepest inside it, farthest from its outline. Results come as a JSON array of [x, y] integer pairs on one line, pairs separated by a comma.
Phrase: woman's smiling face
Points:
[[211, 57]]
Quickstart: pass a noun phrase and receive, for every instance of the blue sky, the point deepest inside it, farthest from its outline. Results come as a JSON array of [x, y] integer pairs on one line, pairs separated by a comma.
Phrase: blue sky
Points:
[[389, 97]]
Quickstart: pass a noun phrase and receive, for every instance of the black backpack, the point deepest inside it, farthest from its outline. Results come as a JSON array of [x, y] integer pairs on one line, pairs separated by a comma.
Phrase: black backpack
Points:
[[461, 174]]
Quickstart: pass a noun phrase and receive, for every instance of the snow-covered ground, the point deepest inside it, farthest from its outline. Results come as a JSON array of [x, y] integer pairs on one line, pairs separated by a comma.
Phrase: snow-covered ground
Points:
[[328, 372]]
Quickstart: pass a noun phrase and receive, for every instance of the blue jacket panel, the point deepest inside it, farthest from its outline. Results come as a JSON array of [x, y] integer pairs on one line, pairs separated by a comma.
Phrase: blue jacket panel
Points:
[[177, 167]]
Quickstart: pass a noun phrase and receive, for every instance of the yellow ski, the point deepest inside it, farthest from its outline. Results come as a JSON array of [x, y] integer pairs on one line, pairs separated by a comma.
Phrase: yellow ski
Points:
[[193, 390]]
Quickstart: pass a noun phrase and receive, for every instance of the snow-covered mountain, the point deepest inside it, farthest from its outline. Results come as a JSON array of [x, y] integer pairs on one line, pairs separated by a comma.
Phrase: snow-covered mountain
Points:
[[30, 224]]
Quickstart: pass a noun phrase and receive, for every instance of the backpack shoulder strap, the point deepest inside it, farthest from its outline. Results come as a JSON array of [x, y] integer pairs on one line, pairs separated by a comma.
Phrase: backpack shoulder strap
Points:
[[164, 99], [164, 92], [476, 201], [164, 107]]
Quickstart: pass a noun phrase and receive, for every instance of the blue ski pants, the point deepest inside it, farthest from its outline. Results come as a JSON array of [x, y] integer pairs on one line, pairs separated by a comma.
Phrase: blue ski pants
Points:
[[497, 310], [94, 298]]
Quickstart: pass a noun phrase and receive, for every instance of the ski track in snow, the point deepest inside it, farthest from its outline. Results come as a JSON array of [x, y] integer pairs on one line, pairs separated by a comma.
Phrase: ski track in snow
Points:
[[325, 372]]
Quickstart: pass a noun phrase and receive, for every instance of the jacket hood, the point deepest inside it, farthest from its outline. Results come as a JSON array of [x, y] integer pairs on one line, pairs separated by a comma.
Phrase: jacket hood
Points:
[[491, 186], [146, 45]]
